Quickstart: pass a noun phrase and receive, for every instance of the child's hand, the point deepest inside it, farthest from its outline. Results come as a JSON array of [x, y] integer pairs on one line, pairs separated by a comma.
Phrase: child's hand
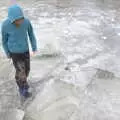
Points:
[[33, 53], [8, 56]]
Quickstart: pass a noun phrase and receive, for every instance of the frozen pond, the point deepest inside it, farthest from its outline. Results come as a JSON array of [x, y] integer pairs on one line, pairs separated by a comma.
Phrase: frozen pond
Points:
[[76, 73]]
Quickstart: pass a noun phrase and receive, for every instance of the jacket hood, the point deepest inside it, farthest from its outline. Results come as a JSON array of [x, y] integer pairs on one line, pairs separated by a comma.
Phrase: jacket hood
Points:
[[15, 13]]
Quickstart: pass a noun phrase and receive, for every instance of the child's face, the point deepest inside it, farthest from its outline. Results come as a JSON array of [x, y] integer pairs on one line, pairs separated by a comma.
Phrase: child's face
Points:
[[18, 22]]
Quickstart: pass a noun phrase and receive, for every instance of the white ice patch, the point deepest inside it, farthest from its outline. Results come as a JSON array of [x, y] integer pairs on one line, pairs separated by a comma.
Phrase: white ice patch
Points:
[[104, 37], [80, 27], [118, 34]]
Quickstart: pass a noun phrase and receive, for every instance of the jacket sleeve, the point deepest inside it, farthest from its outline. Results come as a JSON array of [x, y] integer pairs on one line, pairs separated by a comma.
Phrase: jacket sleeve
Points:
[[32, 37], [5, 40]]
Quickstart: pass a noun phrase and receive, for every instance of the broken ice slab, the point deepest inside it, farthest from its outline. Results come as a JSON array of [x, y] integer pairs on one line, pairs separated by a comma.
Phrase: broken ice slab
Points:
[[101, 100], [107, 62], [60, 101], [12, 114], [57, 101]]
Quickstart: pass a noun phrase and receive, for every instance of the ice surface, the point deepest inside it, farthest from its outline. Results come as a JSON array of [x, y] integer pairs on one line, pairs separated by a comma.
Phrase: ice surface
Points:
[[12, 114], [76, 73], [57, 101]]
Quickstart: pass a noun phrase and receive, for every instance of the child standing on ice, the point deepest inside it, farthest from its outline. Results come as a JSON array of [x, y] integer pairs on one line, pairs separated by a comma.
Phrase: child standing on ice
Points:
[[15, 31]]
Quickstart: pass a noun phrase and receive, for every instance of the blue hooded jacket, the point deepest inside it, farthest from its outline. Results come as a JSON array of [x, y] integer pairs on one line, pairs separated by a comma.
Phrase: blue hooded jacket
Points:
[[15, 39]]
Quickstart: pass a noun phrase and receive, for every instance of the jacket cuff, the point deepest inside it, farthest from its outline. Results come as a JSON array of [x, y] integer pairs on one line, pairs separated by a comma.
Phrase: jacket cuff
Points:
[[34, 49]]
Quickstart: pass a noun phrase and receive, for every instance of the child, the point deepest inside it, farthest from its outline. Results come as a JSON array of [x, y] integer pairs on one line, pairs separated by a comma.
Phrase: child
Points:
[[15, 31]]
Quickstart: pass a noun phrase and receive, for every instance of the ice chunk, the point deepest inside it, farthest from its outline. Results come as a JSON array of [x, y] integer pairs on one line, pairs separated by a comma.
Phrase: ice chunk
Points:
[[118, 34], [49, 44], [104, 37]]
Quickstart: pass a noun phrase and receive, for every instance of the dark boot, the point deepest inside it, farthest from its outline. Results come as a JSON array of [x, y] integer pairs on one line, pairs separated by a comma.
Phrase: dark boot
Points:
[[24, 92]]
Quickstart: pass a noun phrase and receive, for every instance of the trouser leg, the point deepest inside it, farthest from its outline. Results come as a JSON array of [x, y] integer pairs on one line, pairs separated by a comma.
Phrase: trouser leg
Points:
[[22, 65], [27, 63]]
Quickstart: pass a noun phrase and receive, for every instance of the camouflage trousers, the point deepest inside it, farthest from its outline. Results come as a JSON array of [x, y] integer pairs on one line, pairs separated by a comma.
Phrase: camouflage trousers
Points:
[[21, 62]]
